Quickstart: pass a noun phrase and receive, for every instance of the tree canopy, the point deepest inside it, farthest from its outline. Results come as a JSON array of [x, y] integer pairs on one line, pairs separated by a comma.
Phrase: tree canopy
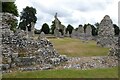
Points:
[[45, 28], [9, 7], [27, 16], [69, 29]]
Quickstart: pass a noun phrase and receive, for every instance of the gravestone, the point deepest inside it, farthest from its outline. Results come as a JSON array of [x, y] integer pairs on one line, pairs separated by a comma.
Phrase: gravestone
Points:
[[106, 32]]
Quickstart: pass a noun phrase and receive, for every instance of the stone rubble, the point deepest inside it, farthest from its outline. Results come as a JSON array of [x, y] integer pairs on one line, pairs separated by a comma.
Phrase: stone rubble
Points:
[[85, 63], [22, 53]]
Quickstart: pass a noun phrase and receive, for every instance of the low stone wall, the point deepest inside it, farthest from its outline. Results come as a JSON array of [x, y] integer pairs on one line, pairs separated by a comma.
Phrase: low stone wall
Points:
[[85, 63]]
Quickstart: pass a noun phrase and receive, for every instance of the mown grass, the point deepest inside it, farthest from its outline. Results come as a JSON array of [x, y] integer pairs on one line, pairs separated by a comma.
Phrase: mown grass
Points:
[[77, 48], [66, 73]]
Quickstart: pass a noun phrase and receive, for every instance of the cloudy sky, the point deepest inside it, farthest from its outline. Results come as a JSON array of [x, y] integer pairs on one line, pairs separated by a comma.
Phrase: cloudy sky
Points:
[[72, 12]]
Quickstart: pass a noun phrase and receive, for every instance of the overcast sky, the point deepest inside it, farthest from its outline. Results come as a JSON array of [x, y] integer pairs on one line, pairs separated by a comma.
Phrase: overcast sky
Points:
[[72, 12]]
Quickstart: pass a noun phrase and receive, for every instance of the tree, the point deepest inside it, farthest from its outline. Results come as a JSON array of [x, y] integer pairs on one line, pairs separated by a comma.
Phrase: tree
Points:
[[9, 7], [69, 29], [116, 29], [45, 28], [22, 25], [27, 16]]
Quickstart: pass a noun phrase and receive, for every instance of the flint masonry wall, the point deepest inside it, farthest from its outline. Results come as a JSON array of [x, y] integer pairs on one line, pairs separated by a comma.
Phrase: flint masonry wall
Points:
[[21, 53]]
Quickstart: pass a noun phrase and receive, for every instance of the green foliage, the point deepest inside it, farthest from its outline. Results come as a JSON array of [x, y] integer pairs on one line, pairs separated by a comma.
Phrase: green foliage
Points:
[[13, 25], [69, 29], [45, 28], [9, 7], [116, 29], [27, 16], [22, 25]]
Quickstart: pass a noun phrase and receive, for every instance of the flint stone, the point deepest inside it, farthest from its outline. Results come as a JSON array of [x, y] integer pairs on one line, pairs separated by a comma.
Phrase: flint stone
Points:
[[13, 65], [14, 55], [9, 60], [5, 66]]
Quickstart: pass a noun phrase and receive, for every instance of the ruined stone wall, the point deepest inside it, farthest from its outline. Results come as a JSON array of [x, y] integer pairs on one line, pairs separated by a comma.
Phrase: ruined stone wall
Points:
[[21, 53], [106, 36]]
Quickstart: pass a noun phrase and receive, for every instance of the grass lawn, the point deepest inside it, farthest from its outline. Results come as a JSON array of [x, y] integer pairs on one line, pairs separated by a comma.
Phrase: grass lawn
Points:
[[66, 73], [76, 48]]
